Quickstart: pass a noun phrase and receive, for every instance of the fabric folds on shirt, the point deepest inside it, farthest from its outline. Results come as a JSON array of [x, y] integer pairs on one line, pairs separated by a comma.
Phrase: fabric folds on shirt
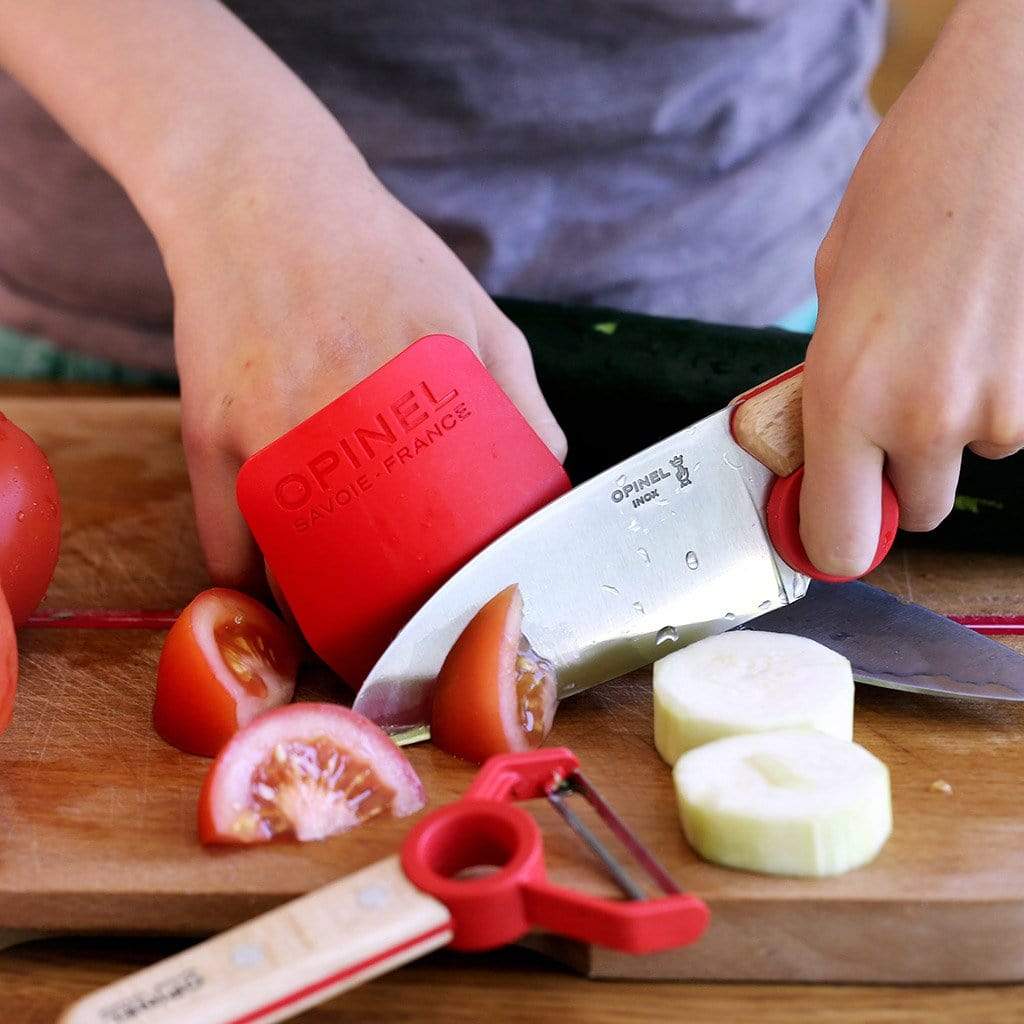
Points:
[[678, 157]]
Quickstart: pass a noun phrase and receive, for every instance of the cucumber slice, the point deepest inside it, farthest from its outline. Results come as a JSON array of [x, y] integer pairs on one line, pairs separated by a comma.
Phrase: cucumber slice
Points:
[[744, 682], [784, 803]]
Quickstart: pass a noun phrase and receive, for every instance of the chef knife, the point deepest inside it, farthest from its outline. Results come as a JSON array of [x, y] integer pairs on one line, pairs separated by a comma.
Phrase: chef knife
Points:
[[900, 645], [688, 538]]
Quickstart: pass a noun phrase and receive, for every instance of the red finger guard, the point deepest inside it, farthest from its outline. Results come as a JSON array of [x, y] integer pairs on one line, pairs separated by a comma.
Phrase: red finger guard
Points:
[[783, 516], [368, 506]]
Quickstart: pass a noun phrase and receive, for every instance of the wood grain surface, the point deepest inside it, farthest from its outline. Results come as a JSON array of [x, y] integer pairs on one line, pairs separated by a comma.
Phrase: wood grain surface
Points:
[[99, 813], [768, 424], [514, 986]]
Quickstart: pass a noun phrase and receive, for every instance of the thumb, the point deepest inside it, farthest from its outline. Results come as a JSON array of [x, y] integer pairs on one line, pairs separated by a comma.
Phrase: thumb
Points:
[[507, 356]]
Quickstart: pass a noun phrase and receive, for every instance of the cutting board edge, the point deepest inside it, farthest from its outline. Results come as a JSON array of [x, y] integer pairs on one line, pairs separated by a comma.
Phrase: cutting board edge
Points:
[[957, 942], [826, 942]]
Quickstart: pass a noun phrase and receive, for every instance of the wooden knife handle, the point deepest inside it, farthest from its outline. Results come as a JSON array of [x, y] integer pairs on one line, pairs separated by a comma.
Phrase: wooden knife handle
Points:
[[285, 961], [767, 422]]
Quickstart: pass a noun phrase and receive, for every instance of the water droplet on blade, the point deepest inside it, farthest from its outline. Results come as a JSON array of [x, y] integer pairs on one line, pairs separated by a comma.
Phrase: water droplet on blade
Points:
[[730, 616], [620, 480], [764, 606], [638, 607], [666, 635], [692, 562], [644, 554], [609, 588]]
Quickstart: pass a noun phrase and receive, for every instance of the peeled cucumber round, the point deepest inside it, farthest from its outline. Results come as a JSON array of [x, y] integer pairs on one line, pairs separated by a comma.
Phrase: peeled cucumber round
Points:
[[784, 803], [747, 681]]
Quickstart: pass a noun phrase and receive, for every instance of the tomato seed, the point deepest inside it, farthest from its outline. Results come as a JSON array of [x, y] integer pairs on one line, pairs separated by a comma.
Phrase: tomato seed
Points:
[[533, 676], [311, 789], [247, 654]]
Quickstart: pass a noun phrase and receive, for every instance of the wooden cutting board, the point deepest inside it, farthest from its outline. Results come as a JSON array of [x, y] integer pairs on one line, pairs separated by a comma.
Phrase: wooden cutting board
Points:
[[97, 812]]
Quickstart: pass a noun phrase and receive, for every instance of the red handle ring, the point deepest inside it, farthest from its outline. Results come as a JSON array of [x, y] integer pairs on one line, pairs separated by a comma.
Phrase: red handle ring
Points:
[[501, 906], [487, 911], [783, 516]]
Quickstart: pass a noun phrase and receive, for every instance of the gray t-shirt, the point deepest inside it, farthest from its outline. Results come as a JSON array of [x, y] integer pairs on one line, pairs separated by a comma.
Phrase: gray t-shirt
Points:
[[680, 157]]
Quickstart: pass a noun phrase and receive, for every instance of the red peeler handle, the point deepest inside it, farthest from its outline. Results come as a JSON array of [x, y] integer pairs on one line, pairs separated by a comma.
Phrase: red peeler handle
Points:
[[515, 895], [766, 422], [303, 952]]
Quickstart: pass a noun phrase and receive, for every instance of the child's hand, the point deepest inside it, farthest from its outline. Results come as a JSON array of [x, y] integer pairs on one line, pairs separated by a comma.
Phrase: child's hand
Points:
[[288, 291], [920, 345], [295, 274]]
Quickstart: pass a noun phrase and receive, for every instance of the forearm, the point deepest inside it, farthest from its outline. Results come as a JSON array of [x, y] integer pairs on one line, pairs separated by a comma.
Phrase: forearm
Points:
[[976, 63], [176, 100], [995, 25]]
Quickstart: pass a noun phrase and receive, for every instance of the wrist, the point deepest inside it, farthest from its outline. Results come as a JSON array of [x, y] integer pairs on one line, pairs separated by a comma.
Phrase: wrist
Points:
[[241, 171], [989, 33]]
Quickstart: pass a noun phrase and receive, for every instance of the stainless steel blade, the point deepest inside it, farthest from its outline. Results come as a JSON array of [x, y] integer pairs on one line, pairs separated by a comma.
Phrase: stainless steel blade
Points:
[[900, 645], [662, 549]]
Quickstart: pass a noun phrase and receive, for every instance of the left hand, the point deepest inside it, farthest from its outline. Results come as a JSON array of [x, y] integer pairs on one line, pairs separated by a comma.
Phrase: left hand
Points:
[[919, 349]]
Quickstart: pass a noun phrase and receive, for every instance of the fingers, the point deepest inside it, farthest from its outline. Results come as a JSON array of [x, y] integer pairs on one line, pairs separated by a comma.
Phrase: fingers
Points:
[[507, 356], [841, 497], [925, 485], [990, 450], [232, 558]]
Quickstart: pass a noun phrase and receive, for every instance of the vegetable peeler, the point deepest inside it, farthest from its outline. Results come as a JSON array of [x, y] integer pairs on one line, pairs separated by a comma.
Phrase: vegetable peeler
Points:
[[470, 875]]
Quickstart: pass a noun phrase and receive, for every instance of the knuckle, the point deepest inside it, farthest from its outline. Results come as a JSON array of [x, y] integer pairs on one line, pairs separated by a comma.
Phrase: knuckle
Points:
[[1003, 428], [842, 404], [507, 346], [992, 451], [824, 261], [930, 423], [559, 442]]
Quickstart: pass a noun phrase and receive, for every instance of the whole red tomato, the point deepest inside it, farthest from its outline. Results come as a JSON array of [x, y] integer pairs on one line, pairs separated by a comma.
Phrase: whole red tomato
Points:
[[29, 521]]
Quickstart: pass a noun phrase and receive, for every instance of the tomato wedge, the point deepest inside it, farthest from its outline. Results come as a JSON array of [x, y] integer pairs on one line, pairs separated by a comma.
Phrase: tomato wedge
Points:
[[494, 693], [307, 771], [8, 664], [226, 660], [29, 521]]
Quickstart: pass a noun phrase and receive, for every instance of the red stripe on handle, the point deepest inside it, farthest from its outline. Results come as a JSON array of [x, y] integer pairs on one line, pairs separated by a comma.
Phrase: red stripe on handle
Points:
[[103, 618], [992, 625], [142, 618], [768, 384], [339, 976]]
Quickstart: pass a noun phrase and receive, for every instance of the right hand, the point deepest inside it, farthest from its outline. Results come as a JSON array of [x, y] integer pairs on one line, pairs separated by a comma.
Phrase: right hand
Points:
[[289, 289]]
